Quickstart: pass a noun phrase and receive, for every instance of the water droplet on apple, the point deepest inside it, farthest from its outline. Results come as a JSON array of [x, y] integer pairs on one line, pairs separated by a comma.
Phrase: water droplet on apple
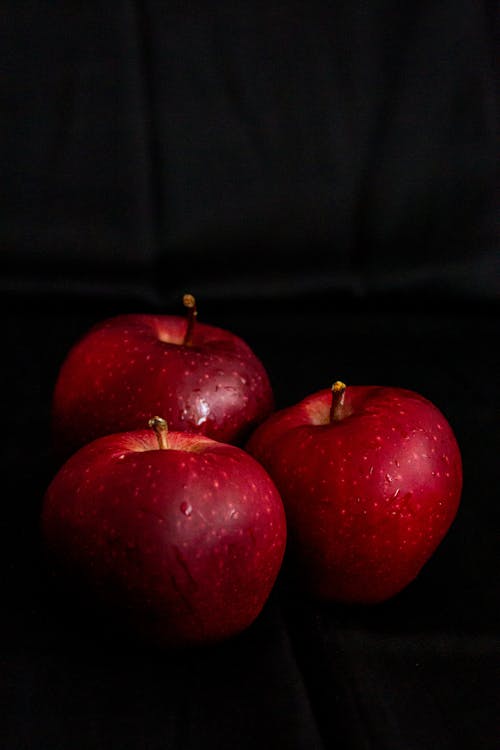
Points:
[[186, 508]]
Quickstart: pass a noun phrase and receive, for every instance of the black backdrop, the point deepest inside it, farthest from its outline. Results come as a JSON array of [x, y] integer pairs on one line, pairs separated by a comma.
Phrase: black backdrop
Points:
[[322, 176]]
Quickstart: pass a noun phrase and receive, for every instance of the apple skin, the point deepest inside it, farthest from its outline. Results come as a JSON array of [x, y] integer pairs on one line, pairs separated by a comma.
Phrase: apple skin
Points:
[[369, 497], [183, 543], [131, 366]]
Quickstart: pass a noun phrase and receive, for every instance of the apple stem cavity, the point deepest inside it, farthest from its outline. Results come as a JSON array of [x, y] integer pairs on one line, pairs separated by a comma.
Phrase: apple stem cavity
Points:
[[189, 303], [337, 410], [159, 425]]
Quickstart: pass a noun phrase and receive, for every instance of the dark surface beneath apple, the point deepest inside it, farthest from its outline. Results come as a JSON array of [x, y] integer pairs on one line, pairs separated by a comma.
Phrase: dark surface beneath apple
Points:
[[416, 672]]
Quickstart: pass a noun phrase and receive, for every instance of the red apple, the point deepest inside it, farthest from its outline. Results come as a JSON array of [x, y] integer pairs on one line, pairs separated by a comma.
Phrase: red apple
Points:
[[370, 478], [201, 378], [182, 535]]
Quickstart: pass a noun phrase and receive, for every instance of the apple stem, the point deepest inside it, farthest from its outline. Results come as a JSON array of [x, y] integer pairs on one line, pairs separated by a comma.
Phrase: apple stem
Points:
[[338, 397], [160, 427], [189, 302]]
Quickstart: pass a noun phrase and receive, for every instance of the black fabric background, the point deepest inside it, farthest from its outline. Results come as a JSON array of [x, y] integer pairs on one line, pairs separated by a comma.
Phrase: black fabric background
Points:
[[323, 177]]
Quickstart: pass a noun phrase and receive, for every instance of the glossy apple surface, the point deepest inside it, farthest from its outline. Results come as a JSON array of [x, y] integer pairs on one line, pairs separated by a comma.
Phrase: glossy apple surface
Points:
[[131, 366], [185, 542], [369, 491]]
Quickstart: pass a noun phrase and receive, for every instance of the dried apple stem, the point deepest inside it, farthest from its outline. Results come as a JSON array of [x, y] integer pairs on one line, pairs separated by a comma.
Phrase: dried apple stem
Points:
[[189, 303], [338, 396], [159, 425]]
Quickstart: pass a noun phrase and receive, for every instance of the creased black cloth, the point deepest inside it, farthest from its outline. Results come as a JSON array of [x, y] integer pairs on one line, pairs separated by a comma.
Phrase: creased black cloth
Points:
[[253, 147]]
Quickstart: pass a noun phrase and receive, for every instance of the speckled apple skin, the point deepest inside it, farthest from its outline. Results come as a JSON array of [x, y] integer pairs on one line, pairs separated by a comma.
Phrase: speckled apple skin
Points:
[[130, 367], [368, 498], [185, 542]]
